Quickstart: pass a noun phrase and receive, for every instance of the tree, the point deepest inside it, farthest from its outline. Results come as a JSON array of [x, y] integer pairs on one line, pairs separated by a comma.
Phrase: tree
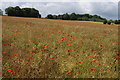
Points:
[[54, 17], [73, 16], [24, 12], [1, 12], [10, 11], [50, 16], [117, 21], [60, 17], [105, 22], [66, 16], [109, 22]]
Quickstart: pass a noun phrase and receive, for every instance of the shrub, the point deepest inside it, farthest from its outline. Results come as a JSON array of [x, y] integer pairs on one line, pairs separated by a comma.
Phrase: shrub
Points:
[[105, 22], [109, 22]]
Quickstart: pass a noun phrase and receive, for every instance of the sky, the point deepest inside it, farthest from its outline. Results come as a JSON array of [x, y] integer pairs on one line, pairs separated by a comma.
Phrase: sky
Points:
[[106, 9]]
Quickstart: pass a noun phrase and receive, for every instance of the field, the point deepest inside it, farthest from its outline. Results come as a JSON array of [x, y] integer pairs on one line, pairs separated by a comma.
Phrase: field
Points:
[[45, 48]]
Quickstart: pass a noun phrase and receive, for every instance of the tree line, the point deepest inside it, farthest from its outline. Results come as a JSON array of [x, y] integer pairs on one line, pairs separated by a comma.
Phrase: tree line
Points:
[[32, 12], [83, 17], [111, 22], [74, 16], [22, 12]]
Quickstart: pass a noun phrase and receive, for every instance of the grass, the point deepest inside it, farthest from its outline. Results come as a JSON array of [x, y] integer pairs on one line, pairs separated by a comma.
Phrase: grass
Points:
[[44, 48]]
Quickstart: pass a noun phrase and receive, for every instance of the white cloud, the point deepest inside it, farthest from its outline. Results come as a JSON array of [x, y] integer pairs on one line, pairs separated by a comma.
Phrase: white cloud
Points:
[[105, 9]]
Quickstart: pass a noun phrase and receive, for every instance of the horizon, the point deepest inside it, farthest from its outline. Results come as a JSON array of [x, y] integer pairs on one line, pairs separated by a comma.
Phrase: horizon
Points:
[[108, 10]]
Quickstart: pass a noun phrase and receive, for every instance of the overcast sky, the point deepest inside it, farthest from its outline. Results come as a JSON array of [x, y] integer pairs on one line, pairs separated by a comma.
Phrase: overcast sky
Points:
[[107, 10]]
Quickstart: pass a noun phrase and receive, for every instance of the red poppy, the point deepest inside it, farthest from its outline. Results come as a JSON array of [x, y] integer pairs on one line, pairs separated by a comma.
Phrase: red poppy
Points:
[[92, 49], [99, 63], [46, 46], [8, 36], [63, 38], [71, 36], [68, 44], [52, 57], [9, 70], [92, 69], [117, 57], [4, 43], [101, 45], [2, 35], [34, 48], [11, 43], [42, 49], [3, 52], [68, 73], [96, 40], [94, 60], [63, 33], [90, 61], [79, 62], [13, 72], [95, 56], [111, 63], [38, 54], [69, 51]]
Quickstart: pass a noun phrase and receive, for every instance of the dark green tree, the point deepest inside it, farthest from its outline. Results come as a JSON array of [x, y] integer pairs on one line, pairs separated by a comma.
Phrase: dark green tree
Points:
[[73, 16], [66, 16], [105, 22], [109, 22], [50, 16], [60, 17], [24, 12]]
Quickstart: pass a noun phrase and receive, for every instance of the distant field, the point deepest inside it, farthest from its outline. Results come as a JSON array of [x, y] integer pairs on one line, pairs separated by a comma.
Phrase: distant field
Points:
[[45, 48]]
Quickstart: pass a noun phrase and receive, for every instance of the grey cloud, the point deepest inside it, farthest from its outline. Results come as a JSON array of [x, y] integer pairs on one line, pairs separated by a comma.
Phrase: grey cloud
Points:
[[108, 10]]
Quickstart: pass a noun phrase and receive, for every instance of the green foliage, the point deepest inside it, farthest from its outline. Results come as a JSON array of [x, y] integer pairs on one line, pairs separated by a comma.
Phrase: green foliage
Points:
[[73, 16], [66, 17], [80, 17], [105, 22], [50, 16], [109, 22], [24, 12], [117, 21]]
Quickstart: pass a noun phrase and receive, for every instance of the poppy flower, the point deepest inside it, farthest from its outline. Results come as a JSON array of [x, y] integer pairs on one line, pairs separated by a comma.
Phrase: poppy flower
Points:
[[95, 56], [34, 48], [68, 73], [111, 63], [11, 43], [63, 33], [13, 72], [69, 51], [99, 63], [117, 57], [79, 62], [9, 70], [68, 44], [92, 69], [101, 45], [38, 54], [3, 52], [42, 49], [4, 43], [46, 46], [94, 60], [63, 38], [90, 61], [52, 57], [92, 49], [96, 40]]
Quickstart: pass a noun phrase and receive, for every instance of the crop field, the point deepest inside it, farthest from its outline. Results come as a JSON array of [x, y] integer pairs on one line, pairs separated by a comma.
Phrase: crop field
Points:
[[46, 48]]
